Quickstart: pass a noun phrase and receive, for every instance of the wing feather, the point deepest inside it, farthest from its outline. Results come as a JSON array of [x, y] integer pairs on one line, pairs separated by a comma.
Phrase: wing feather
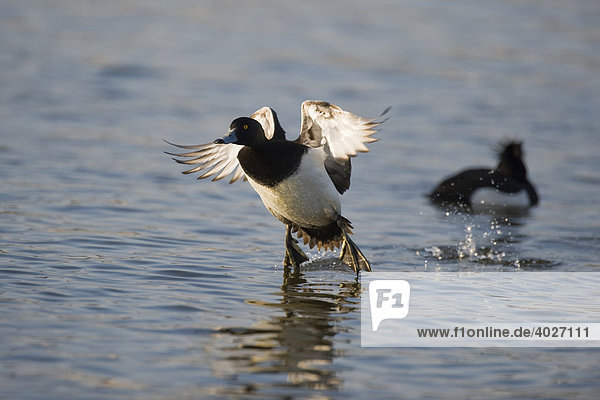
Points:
[[218, 160], [265, 117], [270, 123], [345, 133], [340, 134]]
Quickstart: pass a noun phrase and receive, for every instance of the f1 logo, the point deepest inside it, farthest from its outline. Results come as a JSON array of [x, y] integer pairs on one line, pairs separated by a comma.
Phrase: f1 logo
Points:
[[389, 299]]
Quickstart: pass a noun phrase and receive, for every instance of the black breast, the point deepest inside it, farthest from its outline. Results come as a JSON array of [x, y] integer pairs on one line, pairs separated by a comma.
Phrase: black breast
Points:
[[272, 162]]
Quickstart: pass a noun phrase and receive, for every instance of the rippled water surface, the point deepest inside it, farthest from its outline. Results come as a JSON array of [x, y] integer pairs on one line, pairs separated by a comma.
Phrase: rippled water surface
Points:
[[121, 278]]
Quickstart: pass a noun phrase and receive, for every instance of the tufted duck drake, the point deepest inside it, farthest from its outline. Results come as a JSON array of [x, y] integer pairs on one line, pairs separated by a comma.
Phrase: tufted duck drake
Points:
[[509, 179], [298, 181]]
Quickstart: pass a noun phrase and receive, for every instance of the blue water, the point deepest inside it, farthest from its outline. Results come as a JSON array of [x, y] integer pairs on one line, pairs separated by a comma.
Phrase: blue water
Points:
[[121, 278]]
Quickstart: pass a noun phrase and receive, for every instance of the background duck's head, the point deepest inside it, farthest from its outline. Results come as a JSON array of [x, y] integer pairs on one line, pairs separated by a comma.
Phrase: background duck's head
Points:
[[511, 160], [245, 131]]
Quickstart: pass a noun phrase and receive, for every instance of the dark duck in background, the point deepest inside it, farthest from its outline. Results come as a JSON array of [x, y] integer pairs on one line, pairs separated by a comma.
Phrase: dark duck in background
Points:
[[506, 185]]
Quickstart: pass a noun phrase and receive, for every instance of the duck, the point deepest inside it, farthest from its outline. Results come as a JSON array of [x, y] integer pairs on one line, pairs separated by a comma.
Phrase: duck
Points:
[[506, 185], [299, 181]]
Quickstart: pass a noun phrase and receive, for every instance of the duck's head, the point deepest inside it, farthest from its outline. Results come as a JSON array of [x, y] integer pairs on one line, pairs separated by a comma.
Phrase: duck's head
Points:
[[511, 160], [245, 131]]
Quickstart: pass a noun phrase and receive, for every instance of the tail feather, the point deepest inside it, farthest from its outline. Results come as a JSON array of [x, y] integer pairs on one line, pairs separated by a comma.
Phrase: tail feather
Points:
[[329, 237]]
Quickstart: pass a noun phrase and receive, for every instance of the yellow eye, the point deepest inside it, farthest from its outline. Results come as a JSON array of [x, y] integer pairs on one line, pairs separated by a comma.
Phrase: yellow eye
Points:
[[245, 126]]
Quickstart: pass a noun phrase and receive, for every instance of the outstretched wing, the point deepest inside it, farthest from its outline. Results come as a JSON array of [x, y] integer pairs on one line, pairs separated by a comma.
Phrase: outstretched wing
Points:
[[218, 160], [342, 133]]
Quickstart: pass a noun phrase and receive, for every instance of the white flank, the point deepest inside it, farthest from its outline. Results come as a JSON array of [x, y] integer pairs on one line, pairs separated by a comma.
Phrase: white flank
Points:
[[489, 197], [307, 198]]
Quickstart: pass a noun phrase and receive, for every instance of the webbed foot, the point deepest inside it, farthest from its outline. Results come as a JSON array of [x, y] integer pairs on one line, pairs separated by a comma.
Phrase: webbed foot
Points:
[[293, 253], [350, 252]]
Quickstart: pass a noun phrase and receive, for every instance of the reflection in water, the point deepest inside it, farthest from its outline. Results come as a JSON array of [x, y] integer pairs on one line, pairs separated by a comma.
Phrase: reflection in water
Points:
[[295, 347]]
